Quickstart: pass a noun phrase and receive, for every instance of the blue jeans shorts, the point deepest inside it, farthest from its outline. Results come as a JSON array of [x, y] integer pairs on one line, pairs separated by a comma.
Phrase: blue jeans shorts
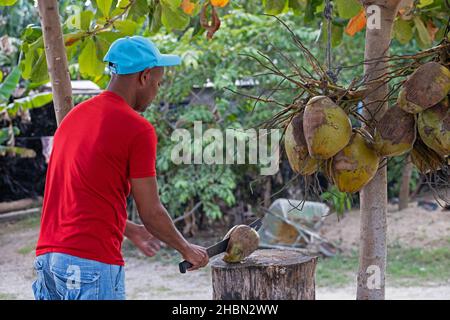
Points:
[[65, 277]]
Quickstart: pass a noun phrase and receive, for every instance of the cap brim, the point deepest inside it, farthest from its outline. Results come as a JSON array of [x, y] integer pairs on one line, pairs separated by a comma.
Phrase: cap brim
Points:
[[167, 60]]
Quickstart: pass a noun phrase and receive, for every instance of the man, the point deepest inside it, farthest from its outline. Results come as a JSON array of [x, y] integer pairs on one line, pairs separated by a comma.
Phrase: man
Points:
[[102, 150]]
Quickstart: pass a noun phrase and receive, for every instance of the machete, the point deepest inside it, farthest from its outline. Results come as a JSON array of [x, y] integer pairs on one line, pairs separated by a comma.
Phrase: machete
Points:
[[219, 247]]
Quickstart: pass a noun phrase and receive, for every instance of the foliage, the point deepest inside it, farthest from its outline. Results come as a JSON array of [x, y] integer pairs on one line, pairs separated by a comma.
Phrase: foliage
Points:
[[340, 201]]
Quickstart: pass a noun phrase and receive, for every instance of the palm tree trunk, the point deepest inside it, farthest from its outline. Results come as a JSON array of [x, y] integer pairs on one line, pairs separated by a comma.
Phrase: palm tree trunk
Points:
[[373, 197], [56, 58], [404, 186]]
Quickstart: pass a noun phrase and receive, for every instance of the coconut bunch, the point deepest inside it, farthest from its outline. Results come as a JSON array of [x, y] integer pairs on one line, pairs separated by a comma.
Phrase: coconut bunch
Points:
[[321, 137], [423, 98]]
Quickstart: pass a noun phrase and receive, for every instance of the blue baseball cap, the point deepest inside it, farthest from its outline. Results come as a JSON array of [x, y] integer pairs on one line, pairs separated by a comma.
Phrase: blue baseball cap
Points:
[[134, 54]]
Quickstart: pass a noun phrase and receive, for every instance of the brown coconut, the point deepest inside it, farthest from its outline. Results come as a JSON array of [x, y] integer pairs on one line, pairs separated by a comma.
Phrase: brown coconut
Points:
[[355, 165], [296, 148], [428, 85], [424, 158], [243, 241], [326, 126], [395, 133], [434, 127]]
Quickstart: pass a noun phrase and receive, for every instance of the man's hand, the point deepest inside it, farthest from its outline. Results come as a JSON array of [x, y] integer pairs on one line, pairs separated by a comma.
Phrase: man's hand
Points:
[[144, 240], [196, 255]]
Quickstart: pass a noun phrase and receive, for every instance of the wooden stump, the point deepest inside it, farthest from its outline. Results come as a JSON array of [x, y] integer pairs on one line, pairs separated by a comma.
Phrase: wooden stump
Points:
[[269, 274]]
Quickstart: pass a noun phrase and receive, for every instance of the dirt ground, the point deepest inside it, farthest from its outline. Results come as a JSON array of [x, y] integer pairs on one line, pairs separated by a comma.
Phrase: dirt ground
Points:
[[159, 278], [413, 227]]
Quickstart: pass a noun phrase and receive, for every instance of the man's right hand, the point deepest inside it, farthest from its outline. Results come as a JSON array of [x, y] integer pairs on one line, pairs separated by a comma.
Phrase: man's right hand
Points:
[[196, 255]]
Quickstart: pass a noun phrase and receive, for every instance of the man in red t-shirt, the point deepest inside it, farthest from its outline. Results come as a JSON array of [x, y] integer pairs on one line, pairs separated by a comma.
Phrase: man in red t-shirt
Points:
[[102, 150]]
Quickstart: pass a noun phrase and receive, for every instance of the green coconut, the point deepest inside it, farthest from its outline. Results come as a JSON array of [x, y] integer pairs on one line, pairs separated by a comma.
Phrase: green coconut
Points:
[[296, 148], [428, 85], [395, 132], [434, 127], [355, 165], [244, 240], [326, 126]]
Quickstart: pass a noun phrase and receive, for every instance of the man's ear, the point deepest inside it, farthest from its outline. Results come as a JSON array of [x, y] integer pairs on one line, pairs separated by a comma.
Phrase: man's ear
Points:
[[144, 76]]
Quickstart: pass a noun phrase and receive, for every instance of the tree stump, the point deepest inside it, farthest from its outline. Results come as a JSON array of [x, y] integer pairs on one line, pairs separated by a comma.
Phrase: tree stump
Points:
[[268, 274]]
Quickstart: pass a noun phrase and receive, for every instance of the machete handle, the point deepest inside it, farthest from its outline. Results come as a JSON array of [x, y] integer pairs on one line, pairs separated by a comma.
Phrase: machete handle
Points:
[[184, 266]]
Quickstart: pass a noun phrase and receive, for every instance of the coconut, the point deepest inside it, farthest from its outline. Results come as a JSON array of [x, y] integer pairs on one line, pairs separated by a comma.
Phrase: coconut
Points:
[[355, 165], [296, 148], [395, 133], [434, 127], [425, 159], [428, 85], [243, 241], [326, 126]]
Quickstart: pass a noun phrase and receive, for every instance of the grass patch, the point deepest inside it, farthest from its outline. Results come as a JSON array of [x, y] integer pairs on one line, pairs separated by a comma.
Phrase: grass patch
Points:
[[26, 249], [406, 267], [7, 296]]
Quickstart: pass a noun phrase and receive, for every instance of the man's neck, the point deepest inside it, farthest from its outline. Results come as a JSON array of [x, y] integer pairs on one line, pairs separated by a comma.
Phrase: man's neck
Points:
[[123, 92]]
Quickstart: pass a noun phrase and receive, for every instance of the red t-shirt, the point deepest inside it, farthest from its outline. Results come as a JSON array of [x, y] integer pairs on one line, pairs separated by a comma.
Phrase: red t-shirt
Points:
[[98, 147]]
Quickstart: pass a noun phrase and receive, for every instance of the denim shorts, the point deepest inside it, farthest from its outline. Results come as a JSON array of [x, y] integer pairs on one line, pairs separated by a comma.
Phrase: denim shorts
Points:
[[65, 277]]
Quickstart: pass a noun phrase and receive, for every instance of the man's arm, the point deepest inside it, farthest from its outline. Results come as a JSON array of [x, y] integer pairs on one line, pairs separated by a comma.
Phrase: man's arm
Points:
[[158, 222], [142, 239]]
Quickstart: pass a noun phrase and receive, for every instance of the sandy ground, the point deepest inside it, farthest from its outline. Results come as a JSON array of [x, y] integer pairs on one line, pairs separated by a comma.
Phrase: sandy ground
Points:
[[412, 227], [156, 278]]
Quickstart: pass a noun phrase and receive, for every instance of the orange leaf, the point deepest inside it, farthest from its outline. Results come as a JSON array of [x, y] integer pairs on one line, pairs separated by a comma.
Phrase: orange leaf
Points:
[[432, 29], [187, 6], [219, 3], [356, 24]]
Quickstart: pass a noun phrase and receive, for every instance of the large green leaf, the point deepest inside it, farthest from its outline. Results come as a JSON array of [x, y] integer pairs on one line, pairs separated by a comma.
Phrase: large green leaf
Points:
[[30, 102], [7, 2], [173, 18], [348, 8], [155, 19], [10, 84], [311, 9], [104, 6], [424, 3], [88, 61], [138, 9], [274, 6], [403, 31], [39, 71], [424, 37], [297, 5], [126, 27]]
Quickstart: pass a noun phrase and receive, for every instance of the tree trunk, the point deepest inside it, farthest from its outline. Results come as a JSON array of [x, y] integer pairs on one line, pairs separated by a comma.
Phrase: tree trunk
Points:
[[266, 275], [373, 197], [55, 53], [404, 187]]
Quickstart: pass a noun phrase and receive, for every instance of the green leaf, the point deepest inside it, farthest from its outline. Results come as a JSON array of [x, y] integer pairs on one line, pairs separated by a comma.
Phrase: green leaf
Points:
[[89, 63], [424, 3], [403, 31], [126, 27], [39, 71], [101, 47], [348, 8], [17, 151], [1, 75], [155, 20], [337, 33], [104, 6], [5, 133], [173, 19], [311, 8], [174, 4], [423, 35], [31, 33], [7, 2], [274, 6], [138, 9], [30, 102], [297, 6], [9, 85]]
